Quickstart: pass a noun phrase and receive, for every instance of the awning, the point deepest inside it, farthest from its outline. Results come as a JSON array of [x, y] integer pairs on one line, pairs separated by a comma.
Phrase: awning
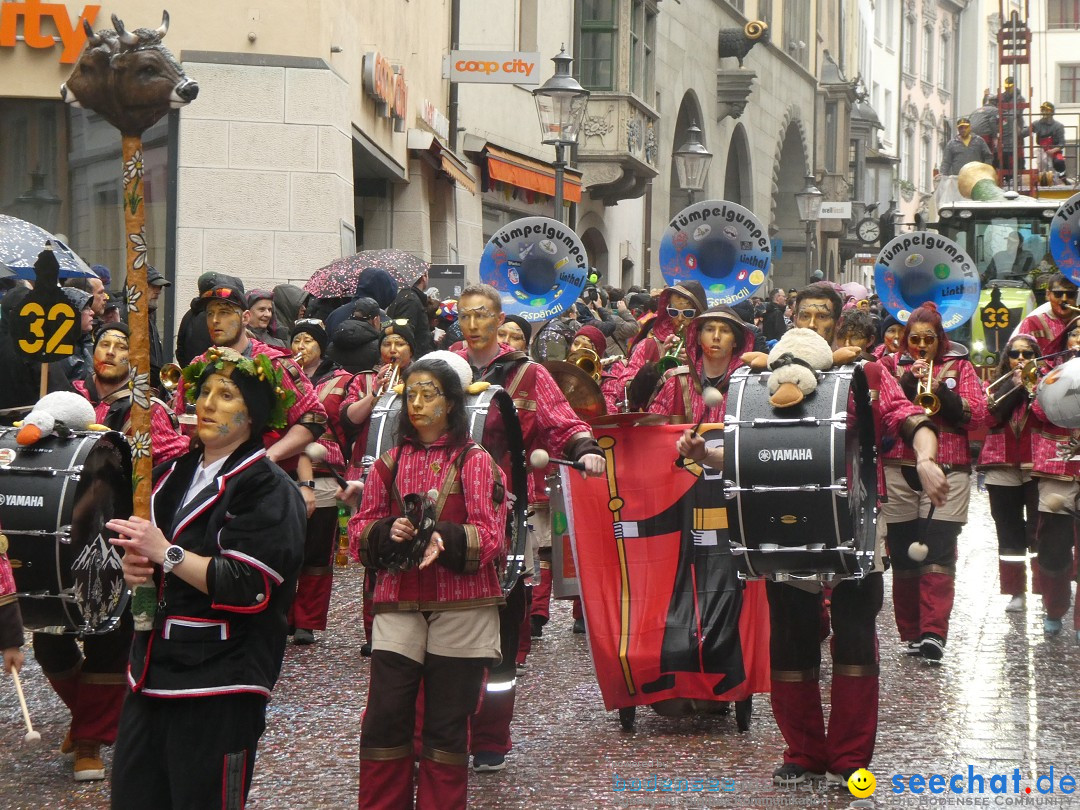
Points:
[[524, 172], [446, 161]]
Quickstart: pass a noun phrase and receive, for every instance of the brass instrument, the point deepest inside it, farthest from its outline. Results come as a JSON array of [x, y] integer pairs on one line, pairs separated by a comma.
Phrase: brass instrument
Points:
[[671, 359], [391, 381], [587, 360], [170, 376], [1031, 373], [925, 398]]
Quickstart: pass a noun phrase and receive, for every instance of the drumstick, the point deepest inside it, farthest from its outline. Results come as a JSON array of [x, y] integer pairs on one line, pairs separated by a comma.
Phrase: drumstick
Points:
[[31, 735], [317, 453], [713, 399], [1056, 502], [918, 550], [540, 459]]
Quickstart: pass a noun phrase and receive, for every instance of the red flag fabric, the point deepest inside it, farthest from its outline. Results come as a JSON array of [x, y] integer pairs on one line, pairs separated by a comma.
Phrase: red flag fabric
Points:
[[667, 616]]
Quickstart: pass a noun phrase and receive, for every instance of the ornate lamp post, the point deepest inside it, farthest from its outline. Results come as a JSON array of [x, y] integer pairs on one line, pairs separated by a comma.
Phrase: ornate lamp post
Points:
[[809, 202], [560, 105], [692, 162]]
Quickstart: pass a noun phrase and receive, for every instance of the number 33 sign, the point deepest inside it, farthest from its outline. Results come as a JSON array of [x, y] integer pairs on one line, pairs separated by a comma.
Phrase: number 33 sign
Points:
[[45, 327]]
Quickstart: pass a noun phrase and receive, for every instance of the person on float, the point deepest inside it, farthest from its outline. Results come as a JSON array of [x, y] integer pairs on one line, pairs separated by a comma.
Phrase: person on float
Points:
[[227, 317], [892, 333], [814, 752], [89, 676], [436, 622], [547, 422], [311, 607], [1046, 327], [1006, 461], [224, 548], [1055, 534], [923, 547], [676, 307]]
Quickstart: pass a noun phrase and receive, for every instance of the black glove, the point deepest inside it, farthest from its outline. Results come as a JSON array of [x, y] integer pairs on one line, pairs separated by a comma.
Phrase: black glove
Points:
[[909, 384], [1003, 408], [952, 405]]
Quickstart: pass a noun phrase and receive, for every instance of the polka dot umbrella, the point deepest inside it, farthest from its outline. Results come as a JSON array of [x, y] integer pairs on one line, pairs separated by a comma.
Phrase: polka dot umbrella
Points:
[[338, 279], [22, 241]]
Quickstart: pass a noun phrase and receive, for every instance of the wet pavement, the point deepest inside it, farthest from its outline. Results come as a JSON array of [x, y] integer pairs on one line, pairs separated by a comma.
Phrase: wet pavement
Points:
[[1004, 699]]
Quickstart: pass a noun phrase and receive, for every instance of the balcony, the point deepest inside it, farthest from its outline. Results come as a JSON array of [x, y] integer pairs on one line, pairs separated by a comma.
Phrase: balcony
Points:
[[617, 147]]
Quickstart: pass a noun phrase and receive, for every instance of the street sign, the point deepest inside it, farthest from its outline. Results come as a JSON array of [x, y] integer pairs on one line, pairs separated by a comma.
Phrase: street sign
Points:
[[492, 67], [448, 278], [836, 210]]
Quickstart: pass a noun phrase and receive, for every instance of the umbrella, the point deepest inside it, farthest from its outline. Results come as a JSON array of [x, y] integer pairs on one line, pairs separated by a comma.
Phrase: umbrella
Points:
[[22, 241], [338, 279]]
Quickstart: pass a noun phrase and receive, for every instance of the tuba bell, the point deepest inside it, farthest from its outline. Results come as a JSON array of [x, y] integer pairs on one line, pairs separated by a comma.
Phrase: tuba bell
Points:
[[170, 376], [588, 361]]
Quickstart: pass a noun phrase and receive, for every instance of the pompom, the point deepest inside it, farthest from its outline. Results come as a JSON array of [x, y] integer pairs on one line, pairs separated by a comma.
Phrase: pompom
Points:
[[918, 551], [712, 397], [433, 494], [458, 363], [32, 738], [315, 451], [1055, 502], [539, 459]]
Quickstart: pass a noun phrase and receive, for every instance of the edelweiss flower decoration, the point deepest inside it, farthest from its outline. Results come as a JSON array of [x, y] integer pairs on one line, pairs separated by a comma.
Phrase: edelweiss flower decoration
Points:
[[140, 388], [132, 295], [139, 241], [133, 168], [140, 445]]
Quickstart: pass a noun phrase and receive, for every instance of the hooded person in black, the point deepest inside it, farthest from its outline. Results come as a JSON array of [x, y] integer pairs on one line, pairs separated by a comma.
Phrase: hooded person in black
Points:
[[22, 376], [193, 336]]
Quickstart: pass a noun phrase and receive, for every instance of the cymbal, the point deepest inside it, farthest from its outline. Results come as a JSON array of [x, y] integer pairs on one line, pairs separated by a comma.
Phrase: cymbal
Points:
[[640, 419], [580, 390]]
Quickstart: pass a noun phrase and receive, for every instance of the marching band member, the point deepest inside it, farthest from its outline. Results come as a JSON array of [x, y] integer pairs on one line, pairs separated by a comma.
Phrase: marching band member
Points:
[[396, 349], [715, 342], [436, 623], [1006, 461], [858, 330], [611, 376], [795, 611], [312, 604], [11, 625], [516, 332], [89, 678], [1046, 327], [892, 332], [922, 546], [547, 422], [1055, 534], [224, 548]]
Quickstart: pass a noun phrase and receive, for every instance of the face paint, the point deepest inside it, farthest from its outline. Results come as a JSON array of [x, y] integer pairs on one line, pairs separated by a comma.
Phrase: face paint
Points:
[[681, 302], [510, 334], [427, 405], [225, 322], [816, 314], [111, 357], [222, 413], [922, 341], [717, 339], [479, 321], [395, 349], [893, 335], [582, 342]]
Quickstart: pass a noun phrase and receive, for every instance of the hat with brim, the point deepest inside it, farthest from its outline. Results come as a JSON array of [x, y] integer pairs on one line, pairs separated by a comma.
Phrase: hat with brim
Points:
[[155, 278], [227, 289]]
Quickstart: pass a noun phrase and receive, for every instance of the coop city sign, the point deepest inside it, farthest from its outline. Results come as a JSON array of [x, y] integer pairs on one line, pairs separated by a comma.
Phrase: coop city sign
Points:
[[492, 67], [386, 84], [32, 13]]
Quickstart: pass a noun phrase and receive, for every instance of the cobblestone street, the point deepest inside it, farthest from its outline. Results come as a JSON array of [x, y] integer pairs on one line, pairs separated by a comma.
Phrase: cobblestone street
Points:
[[1004, 699]]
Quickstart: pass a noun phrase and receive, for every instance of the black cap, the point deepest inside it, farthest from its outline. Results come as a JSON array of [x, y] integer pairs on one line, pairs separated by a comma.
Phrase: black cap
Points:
[[401, 330], [120, 327], [227, 289], [154, 277], [313, 327]]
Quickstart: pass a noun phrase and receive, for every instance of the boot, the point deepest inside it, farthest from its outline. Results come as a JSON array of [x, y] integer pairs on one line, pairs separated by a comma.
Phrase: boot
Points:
[[444, 780]]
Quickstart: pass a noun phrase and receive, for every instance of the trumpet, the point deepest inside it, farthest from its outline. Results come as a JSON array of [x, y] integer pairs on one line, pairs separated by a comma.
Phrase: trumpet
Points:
[[170, 376], [587, 360], [671, 359], [1030, 374], [924, 397], [391, 381]]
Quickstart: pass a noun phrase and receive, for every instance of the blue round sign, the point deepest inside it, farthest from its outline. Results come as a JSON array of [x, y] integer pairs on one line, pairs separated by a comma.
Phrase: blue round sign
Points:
[[924, 266], [1065, 238], [538, 266], [719, 244]]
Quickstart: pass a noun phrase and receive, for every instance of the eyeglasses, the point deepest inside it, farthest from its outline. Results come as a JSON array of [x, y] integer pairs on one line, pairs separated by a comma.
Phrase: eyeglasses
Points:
[[1016, 354], [674, 312], [922, 340], [1064, 294]]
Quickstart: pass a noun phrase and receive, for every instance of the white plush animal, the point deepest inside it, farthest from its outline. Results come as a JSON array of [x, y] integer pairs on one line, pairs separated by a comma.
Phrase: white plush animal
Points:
[[58, 410], [793, 361]]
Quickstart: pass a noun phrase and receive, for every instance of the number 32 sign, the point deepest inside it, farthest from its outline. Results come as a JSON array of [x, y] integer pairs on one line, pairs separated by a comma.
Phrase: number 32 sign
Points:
[[45, 327]]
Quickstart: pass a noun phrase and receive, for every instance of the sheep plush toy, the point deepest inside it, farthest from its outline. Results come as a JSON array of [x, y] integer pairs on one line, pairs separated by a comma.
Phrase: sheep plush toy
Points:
[[58, 412], [794, 361]]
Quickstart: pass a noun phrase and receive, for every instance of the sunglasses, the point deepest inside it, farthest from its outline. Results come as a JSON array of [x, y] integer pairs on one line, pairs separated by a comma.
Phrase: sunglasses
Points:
[[920, 340], [1016, 354], [310, 322], [1066, 294], [673, 312]]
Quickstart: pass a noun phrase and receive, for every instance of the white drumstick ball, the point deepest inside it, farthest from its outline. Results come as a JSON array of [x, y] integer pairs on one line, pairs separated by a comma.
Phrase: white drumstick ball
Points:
[[918, 551], [539, 459], [1055, 501], [433, 494], [712, 396], [315, 451], [32, 738]]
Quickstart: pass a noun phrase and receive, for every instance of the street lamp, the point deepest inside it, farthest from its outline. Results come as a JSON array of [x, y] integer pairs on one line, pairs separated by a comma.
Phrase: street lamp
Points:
[[809, 202], [560, 104], [692, 161]]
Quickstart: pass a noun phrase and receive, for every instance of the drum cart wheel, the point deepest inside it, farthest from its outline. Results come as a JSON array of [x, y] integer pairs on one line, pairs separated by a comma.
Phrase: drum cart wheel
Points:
[[744, 710], [627, 717]]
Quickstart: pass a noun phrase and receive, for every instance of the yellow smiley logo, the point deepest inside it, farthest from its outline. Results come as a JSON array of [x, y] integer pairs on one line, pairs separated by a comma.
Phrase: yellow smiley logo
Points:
[[862, 784]]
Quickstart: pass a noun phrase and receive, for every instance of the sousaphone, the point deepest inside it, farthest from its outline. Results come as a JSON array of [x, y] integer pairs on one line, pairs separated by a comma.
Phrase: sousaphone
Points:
[[925, 266]]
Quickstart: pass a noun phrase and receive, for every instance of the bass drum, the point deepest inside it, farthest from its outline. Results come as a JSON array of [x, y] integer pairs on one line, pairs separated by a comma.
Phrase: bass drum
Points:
[[494, 425], [801, 482], [55, 498]]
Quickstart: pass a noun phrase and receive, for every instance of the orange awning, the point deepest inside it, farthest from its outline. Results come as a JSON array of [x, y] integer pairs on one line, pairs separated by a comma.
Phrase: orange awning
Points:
[[524, 172], [453, 168]]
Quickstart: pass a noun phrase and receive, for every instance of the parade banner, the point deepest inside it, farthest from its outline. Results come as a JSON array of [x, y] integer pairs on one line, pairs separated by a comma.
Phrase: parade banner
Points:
[[667, 616]]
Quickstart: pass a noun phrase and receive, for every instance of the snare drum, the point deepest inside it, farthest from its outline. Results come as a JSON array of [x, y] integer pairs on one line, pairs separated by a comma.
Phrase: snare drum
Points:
[[801, 482], [55, 498], [564, 578], [493, 424]]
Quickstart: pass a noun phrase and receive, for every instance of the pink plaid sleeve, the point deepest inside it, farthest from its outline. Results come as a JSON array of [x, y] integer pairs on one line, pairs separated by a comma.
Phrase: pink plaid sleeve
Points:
[[556, 421], [479, 473], [168, 442]]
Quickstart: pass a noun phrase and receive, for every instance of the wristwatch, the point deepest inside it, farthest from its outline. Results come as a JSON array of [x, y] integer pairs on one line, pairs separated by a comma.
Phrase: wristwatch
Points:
[[308, 484], [174, 555]]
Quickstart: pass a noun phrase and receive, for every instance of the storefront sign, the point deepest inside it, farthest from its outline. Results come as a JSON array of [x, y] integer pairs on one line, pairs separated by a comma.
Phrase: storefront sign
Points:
[[492, 67], [386, 84], [32, 12], [449, 279], [836, 210], [436, 121]]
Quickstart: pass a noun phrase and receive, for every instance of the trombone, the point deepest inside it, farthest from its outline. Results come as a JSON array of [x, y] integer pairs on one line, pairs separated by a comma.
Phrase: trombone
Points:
[[925, 398], [1030, 374]]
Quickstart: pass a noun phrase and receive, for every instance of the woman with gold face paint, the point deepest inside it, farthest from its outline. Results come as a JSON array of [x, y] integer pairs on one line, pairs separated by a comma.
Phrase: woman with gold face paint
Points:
[[1006, 461], [436, 619], [396, 350], [923, 547], [224, 548], [515, 332]]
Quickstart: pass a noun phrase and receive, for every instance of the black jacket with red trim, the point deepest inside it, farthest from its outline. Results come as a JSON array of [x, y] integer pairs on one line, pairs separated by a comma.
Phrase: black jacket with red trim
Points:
[[250, 522]]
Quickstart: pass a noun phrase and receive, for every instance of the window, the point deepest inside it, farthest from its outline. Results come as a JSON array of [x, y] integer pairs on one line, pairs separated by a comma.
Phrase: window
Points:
[[890, 24], [886, 116], [598, 29], [796, 32], [527, 25], [642, 47], [1063, 14], [945, 57], [832, 124], [911, 33], [879, 22], [928, 54], [1069, 86], [907, 156], [737, 4], [926, 163]]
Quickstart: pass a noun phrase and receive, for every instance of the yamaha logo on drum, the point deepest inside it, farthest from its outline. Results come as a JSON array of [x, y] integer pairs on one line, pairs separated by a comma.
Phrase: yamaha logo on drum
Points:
[[21, 500], [787, 454]]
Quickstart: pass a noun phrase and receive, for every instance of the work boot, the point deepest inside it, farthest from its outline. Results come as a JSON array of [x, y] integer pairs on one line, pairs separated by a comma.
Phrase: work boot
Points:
[[88, 764]]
